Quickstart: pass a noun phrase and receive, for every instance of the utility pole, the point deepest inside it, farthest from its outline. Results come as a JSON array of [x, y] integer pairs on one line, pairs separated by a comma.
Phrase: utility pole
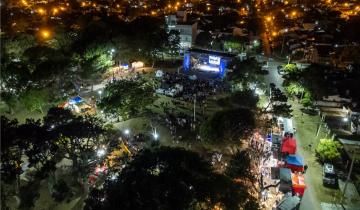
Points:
[[318, 130], [194, 110], [348, 179]]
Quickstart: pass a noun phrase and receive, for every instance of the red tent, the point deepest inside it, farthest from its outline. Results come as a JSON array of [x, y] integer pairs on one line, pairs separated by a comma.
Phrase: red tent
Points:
[[288, 146]]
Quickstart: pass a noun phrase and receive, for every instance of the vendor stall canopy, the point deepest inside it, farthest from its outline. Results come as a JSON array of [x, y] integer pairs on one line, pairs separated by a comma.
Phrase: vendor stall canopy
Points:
[[296, 160], [75, 100], [288, 146]]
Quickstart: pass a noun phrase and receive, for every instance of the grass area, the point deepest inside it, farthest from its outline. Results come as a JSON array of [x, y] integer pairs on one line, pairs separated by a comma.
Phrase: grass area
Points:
[[21, 113]]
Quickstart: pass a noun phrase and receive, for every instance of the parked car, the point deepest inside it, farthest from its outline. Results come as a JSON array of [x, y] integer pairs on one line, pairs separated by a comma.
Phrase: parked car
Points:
[[329, 175], [280, 70]]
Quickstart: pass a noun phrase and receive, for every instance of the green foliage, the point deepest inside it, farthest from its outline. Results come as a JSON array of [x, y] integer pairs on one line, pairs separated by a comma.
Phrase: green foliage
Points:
[[77, 137], [278, 103], [234, 44], [307, 99], [328, 150], [127, 97], [97, 59], [246, 98], [11, 148], [294, 88], [169, 178], [174, 42], [291, 68], [16, 46], [35, 100], [228, 125], [9, 99], [245, 73], [240, 166]]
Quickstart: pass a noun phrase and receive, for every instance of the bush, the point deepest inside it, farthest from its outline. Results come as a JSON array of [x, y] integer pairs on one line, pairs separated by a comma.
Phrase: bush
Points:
[[290, 68], [307, 99], [328, 150]]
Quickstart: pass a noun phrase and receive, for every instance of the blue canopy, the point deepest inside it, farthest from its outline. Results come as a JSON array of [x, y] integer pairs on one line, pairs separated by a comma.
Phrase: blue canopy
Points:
[[296, 160], [75, 100]]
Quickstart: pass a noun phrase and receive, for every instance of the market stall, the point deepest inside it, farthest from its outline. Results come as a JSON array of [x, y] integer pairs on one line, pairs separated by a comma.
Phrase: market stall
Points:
[[298, 184], [295, 163], [288, 146]]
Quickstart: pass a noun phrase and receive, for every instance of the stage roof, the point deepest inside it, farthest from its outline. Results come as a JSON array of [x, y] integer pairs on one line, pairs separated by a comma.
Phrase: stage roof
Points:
[[211, 52]]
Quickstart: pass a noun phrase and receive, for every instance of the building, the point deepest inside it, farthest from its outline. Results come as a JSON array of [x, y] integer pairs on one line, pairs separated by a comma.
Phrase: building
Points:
[[187, 30]]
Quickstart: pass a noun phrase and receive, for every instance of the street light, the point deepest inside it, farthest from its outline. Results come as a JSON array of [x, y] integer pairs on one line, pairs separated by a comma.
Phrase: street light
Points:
[[100, 92], [100, 152], [127, 132], [155, 135], [45, 34], [345, 119]]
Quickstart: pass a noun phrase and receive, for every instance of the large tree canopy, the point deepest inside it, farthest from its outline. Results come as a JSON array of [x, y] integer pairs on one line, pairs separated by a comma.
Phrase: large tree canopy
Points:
[[127, 97], [169, 178], [228, 125]]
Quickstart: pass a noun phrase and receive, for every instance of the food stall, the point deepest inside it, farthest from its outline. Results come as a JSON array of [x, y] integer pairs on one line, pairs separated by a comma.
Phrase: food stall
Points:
[[295, 163]]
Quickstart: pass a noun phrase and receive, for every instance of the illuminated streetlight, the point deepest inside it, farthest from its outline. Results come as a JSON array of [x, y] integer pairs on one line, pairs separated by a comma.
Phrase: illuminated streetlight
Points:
[[45, 34], [155, 135], [126, 131], [100, 152], [345, 119], [41, 11]]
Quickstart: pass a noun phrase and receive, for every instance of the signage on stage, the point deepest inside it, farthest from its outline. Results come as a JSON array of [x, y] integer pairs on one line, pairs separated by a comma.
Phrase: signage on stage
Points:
[[214, 60]]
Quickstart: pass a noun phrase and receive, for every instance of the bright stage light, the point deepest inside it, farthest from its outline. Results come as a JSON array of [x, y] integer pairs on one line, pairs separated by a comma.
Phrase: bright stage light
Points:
[[204, 67]]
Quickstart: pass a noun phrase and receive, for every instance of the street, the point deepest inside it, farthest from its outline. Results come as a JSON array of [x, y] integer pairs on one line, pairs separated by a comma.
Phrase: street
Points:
[[306, 130]]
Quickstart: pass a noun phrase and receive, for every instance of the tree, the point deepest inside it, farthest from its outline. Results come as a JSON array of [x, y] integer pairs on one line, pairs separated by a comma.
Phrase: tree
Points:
[[169, 178], [291, 68], [245, 98], [234, 44], [40, 146], [278, 103], [240, 167], [294, 88], [35, 100], [328, 150], [10, 100], [16, 46], [307, 99], [203, 39], [245, 74], [174, 42], [228, 125], [77, 137], [11, 159], [127, 97], [11, 150]]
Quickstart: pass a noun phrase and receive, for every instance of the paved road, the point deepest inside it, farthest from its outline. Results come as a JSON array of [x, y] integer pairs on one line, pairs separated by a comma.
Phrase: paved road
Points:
[[310, 200]]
